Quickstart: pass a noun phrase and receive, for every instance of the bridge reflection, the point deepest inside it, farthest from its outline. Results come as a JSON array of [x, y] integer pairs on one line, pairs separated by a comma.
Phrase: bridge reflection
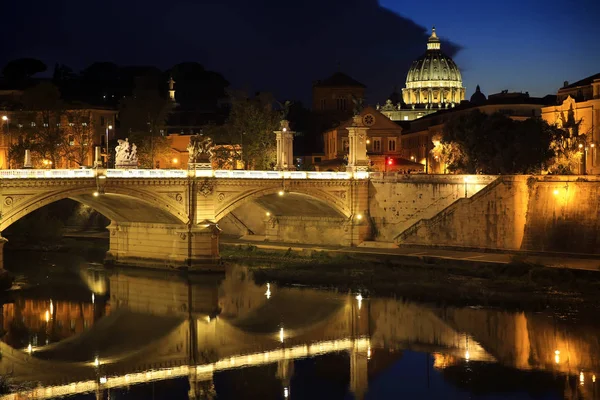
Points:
[[160, 326]]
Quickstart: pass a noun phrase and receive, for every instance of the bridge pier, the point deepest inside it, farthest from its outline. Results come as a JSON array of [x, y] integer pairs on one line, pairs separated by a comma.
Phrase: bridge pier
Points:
[[164, 245]]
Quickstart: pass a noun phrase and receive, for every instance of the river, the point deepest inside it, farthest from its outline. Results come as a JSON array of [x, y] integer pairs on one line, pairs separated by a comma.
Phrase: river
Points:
[[72, 328]]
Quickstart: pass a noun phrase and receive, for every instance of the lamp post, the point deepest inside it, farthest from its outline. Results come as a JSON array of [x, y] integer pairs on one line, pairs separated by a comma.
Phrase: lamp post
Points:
[[6, 120], [466, 179], [582, 167], [108, 128]]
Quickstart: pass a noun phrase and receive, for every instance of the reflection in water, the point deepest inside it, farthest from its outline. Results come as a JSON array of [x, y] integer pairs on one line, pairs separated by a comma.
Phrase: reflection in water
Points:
[[144, 327]]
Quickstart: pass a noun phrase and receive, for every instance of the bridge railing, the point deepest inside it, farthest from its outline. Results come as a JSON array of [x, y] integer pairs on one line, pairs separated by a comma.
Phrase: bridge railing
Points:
[[174, 173]]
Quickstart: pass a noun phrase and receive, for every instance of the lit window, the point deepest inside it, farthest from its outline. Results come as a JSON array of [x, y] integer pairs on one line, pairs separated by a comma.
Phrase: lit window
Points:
[[377, 145], [392, 144], [406, 117], [33, 124]]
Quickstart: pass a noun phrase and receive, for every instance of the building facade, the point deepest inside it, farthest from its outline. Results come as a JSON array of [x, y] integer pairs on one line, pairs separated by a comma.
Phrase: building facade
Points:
[[79, 129], [578, 110]]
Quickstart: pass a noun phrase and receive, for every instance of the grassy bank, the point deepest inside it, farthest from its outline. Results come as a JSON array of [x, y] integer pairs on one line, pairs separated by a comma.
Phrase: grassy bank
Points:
[[518, 285]]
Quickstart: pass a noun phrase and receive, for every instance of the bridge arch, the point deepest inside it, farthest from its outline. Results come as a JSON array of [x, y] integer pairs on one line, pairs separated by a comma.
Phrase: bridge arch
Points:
[[119, 204], [296, 201]]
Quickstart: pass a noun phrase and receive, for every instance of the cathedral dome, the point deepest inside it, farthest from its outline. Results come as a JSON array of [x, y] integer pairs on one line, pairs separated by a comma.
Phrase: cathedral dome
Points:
[[433, 77], [478, 97]]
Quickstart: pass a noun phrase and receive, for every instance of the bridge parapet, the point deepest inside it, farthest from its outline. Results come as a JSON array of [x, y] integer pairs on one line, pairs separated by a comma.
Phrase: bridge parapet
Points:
[[175, 173]]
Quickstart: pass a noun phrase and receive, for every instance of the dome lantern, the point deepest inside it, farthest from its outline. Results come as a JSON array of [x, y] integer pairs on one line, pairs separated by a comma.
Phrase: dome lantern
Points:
[[434, 42]]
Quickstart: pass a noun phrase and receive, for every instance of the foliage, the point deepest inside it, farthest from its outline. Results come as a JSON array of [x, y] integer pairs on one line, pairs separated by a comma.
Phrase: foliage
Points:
[[44, 134], [142, 116], [496, 144], [446, 153], [253, 121], [79, 135], [565, 145], [198, 87], [23, 68], [151, 148]]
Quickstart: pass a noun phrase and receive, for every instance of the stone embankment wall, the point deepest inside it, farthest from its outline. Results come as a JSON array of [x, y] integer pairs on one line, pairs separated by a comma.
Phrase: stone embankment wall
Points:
[[398, 201], [537, 213]]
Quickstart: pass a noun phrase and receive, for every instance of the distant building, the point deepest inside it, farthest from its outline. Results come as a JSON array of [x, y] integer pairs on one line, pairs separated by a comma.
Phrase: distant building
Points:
[[92, 121], [433, 83], [578, 110], [383, 144], [334, 94]]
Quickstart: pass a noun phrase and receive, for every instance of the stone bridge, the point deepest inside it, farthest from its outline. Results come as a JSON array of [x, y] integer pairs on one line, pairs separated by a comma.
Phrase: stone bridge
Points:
[[170, 217]]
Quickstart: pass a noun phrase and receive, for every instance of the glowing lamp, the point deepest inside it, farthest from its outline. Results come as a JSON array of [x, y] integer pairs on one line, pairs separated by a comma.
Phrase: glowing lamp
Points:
[[103, 380], [359, 216], [580, 146], [268, 214], [556, 194], [96, 194], [4, 118], [390, 161], [280, 193], [174, 161], [110, 127]]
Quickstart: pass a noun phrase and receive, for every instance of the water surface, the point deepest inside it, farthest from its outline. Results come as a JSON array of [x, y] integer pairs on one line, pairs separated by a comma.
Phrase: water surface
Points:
[[76, 329]]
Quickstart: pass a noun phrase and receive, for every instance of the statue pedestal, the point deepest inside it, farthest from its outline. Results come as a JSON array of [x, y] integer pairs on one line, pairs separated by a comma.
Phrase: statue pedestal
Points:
[[200, 166], [126, 166], [285, 148], [357, 135]]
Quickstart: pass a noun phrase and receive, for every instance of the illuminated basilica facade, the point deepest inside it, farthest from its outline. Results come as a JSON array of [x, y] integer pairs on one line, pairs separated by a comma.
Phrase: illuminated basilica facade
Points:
[[433, 82]]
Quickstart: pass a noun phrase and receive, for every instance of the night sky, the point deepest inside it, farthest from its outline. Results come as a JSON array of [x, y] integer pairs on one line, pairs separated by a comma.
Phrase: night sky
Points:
[[283, 46]]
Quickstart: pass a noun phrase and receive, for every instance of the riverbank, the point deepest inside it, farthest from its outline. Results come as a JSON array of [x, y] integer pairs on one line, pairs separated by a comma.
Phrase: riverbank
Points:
[[518, 284]]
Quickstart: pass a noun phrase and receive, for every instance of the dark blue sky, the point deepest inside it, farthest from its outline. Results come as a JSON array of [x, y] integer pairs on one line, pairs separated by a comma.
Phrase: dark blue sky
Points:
[[519, 45], [283, 46]]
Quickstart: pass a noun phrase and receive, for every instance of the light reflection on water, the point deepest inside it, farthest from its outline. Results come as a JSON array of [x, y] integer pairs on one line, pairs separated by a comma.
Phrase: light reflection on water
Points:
[[128, 331]]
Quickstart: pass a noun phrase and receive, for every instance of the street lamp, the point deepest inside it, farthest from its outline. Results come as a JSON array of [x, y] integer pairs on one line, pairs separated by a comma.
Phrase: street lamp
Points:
[[108, 128], [6, 120]]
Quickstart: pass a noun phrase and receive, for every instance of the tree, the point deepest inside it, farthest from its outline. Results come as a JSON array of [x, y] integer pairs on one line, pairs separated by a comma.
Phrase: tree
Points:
[[79, 135], [45, 132], [446, 153], [151, 149], [143, 115], [497, 144], [197, 87], [253, 121], [22, 69]]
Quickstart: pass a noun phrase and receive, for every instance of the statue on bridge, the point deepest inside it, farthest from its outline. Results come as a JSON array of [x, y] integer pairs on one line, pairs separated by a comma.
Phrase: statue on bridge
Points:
[[358, 104], [200, 150], [126, 154]]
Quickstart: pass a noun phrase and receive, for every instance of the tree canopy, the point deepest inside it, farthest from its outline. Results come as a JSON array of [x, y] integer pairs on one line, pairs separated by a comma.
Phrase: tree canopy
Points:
[[496, 144], [22, 68]]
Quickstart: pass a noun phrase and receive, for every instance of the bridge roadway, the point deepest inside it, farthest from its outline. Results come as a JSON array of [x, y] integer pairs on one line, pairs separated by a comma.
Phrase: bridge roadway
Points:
[[258, 325], [168, 218]]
